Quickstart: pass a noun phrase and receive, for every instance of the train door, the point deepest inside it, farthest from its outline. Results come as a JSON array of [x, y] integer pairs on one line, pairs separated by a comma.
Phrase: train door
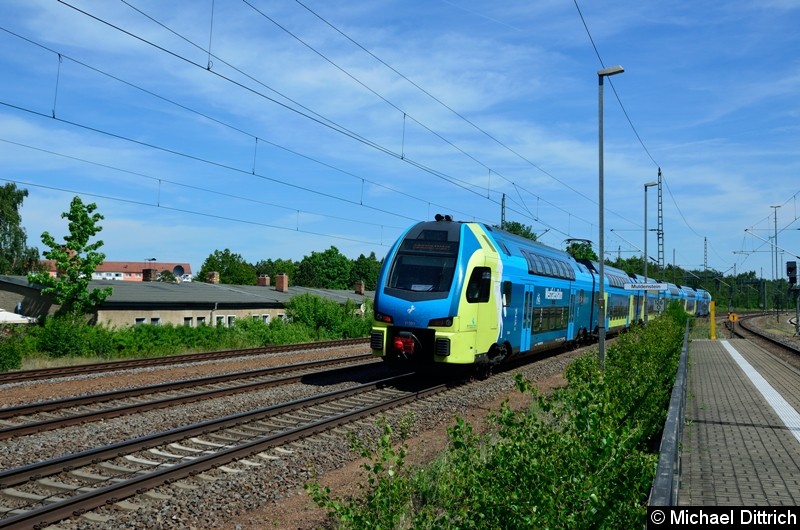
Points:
[[632, 310], [484, 313], [638, 306], [573, 308], [527, 319]]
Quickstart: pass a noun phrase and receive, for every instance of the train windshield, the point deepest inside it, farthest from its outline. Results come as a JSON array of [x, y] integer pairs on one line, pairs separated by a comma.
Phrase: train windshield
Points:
[[424, 267]]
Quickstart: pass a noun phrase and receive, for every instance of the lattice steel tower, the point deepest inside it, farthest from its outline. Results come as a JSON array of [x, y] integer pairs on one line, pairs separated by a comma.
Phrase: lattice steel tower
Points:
[[660, 231]]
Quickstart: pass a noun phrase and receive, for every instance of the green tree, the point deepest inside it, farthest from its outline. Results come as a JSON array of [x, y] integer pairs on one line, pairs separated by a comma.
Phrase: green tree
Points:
[[76, 259], [15, 255], [634, 265], [519, 229], [272, 268], [325, 270], [581, 249], [232, 268], [167, 276], [366, 269]]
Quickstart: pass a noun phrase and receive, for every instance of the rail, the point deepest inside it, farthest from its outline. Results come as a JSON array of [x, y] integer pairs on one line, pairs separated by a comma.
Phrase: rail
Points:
[[17, 376], [665, 485], [248, 433]]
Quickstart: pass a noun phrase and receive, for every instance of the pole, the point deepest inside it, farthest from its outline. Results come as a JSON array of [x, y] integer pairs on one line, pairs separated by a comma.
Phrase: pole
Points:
[[645, 235], [645, 252], [601, 297], [776, 269], [797, 314], [647, 185]]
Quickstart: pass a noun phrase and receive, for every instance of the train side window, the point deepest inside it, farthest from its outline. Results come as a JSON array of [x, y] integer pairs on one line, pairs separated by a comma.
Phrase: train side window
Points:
[[506, 293], [538, 264], [479, 285]]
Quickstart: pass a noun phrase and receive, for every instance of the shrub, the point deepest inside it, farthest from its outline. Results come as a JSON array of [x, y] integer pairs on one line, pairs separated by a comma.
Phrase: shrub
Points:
[[282, 332], [384, 503], [15, 343], [64, 336]]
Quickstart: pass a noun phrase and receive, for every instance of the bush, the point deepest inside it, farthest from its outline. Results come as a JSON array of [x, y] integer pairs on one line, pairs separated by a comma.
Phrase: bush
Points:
[[282, 332], [15, 343], [64, 336], [330, 320]]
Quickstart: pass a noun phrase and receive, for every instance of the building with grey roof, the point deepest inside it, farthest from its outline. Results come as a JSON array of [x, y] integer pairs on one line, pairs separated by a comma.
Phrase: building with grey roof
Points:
[[186, 303]]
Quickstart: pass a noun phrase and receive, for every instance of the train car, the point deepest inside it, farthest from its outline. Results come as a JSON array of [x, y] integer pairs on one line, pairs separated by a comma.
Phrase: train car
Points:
[[621, 304], [673, 292], [645, 298], [689, 295], [464, 293], [703, 303]]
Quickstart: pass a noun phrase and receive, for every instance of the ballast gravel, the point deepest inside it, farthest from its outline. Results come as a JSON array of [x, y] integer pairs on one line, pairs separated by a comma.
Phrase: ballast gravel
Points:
[[219, 498]]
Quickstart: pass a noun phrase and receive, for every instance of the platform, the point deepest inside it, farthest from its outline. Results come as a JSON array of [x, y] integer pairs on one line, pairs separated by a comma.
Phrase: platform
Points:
[[741, 440]]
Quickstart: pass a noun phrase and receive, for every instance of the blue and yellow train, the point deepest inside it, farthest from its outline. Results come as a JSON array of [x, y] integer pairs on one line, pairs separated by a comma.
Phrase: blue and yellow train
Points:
[[465, 293]]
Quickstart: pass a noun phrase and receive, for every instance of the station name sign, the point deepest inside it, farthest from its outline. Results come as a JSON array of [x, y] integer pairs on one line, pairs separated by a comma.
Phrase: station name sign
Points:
[[645, 286]]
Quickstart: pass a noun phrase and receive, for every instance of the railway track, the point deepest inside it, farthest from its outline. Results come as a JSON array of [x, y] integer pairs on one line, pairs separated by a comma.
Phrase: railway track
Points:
[[38, 494], [785, 348], [31, 418], [750, 329], [111, 366]]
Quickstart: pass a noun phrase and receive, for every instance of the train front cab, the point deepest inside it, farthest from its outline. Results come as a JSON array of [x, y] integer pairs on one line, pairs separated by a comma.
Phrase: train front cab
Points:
[[418, 323]]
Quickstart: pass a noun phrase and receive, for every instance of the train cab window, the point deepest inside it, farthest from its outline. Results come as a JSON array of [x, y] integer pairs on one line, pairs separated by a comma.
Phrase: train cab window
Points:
[[423, 273], [479, 285]]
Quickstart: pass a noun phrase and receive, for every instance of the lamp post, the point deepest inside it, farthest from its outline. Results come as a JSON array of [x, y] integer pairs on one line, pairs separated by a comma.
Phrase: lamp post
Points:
[[601, 296], [776, 267], [647, 185]]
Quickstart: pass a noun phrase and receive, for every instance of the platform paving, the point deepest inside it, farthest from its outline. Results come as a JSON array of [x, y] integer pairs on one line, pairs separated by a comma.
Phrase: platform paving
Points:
[[741, 441]]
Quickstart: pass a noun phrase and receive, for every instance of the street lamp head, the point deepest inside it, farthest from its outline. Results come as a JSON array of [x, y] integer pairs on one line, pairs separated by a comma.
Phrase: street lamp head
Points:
[[611, 70], [650, 184]]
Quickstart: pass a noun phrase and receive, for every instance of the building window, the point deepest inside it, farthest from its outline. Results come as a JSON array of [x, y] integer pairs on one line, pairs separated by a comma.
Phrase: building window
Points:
[[188, 321], [140, 321], [155, 321], [265, 318], [201, 321], [220, 320], [231, 320], [255, 317]]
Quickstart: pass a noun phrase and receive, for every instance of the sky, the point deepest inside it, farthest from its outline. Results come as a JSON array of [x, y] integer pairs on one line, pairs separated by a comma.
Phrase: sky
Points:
[[275, 129]]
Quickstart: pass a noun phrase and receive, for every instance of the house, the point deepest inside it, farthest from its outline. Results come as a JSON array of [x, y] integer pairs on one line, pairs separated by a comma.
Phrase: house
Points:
[[186, 303], [132, 271]]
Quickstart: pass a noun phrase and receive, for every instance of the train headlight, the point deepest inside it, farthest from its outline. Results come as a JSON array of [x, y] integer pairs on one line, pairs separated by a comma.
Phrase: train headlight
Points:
[[441, 322]]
